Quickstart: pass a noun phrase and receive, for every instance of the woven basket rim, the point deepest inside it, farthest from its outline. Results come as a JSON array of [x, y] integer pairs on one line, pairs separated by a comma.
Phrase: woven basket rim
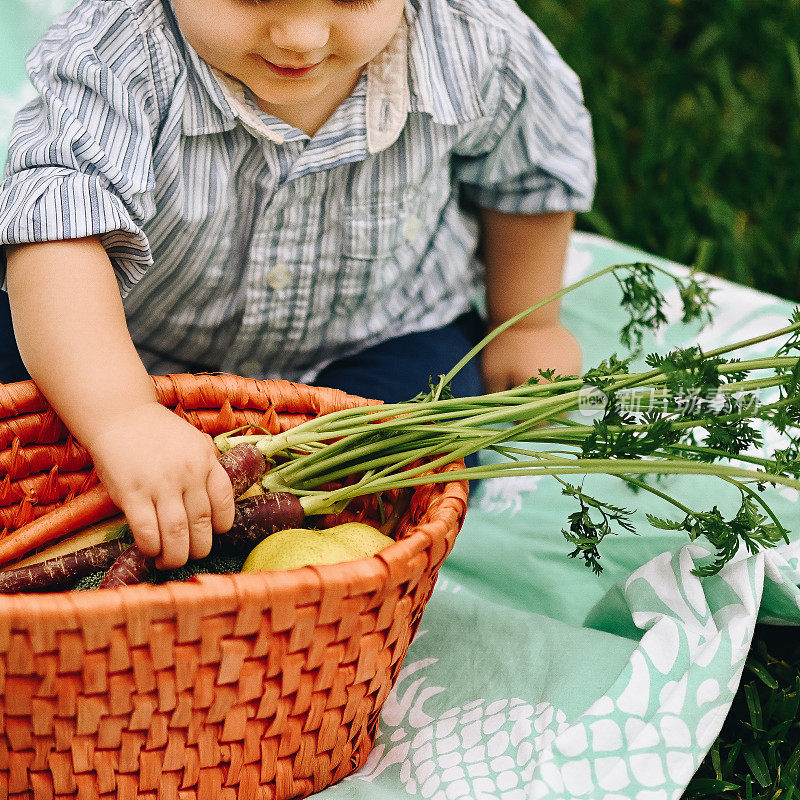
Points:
[[353, 576], [373, 572]]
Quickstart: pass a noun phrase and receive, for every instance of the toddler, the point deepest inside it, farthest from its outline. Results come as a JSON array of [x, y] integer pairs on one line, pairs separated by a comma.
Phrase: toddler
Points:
[[306, 189]]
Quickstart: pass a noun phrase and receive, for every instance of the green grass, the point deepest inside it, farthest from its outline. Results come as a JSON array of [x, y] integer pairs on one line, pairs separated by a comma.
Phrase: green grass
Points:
[[696, 113], [757, 754]]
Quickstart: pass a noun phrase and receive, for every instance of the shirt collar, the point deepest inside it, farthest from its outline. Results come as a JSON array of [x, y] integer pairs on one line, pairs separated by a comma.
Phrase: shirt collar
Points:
[[206, 109], [416, 73], [234, 93], [388, 92]]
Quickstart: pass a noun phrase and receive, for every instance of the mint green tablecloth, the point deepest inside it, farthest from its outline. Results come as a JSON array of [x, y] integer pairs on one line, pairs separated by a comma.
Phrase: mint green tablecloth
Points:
[[530, 677]]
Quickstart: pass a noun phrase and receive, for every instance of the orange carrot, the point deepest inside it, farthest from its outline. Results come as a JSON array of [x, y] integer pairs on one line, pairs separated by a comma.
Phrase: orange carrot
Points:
[[92, 506], [44, 488]]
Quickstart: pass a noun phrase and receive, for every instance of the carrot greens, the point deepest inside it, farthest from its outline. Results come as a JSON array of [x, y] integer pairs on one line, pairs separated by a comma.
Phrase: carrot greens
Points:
[[688, 412]]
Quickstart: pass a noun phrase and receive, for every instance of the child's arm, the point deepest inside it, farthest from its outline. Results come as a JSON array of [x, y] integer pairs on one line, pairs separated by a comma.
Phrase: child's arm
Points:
[[524, 256], [160, 470]]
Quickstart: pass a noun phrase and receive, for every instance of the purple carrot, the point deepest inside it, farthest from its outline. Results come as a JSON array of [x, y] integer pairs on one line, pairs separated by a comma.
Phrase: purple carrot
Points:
[[131, 566], [257, 517], [401, 504], [245, 464], [61, 570]]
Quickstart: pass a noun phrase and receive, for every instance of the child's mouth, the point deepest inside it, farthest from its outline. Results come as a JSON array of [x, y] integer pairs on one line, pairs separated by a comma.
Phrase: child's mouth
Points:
[[289, 72]]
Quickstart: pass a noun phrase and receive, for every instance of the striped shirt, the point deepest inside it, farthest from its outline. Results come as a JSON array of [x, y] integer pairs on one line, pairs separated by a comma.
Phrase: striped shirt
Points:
[[239, 243]]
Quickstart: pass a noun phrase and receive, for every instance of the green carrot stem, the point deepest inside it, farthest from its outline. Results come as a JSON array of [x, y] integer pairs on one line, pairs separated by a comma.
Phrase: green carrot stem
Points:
[[337, 469], [343, 453], [768, 362], [764, 337], [576, 430], [663, 495], [712, 451], [760, 500], [668, 451], [296, 438], [480, 440], [554, 407], [321, 501], [590, 466]]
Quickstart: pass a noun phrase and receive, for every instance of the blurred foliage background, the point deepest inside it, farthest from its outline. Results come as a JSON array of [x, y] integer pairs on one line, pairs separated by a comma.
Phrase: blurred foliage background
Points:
[[696, 113]]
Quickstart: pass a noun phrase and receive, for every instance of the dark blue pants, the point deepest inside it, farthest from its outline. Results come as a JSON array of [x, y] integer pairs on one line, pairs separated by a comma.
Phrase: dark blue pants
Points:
[[400, 368], [11, 366]]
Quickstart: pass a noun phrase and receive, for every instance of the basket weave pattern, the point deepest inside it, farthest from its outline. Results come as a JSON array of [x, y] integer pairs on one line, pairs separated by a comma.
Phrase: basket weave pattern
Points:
[[227, 686]]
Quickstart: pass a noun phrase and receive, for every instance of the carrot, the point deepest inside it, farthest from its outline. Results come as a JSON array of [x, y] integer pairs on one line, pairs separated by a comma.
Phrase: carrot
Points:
[[44, 487], [245, 464], [55, 572], [70, 456], [131, 566], [104, 531], [401, 504], [257, 517], [92, 506]]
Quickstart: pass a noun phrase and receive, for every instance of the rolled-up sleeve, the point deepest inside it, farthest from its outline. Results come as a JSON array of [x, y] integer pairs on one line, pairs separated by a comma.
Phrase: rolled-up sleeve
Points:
[[538, 152], [80, 157]]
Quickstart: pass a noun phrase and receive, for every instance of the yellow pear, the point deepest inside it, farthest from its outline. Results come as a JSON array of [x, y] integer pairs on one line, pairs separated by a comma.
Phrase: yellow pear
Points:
[[300, 547], [363, 538]]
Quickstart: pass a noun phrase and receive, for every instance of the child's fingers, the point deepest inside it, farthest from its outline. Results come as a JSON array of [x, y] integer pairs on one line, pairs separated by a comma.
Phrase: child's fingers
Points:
[[141, 518], [198, 513], [174, 527], [221, 497]]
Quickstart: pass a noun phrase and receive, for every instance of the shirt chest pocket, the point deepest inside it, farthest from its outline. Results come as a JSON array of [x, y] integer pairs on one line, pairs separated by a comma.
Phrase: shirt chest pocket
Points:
[[373, 231], [382, 240], [372, 238], [380, 228]]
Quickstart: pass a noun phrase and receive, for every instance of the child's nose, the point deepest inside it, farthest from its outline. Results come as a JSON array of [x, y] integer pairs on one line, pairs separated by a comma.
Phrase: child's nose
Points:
[[300, 34]]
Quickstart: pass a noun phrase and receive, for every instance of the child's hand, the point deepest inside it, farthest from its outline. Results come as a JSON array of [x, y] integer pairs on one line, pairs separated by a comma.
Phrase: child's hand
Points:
[[520, 352], [164, 475]]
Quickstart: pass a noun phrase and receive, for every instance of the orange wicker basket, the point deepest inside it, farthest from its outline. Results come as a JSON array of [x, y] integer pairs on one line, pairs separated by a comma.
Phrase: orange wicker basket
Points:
[[226, 686]]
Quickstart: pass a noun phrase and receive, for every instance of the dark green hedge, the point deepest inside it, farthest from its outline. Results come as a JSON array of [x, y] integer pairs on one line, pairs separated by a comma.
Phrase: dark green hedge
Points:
[[696, 110]]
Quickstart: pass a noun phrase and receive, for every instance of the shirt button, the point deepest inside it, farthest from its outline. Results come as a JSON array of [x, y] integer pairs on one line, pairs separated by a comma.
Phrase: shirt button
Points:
[[278, 277], [412, 227], [249, 368]]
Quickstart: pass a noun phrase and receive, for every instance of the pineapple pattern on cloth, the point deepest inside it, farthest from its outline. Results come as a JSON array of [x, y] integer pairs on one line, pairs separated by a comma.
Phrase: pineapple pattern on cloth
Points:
[[508, 494], [481, 750], [642, 739]]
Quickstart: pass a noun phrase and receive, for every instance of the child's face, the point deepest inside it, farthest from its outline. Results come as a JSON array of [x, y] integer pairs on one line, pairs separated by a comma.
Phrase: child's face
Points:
[[292, 54]]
